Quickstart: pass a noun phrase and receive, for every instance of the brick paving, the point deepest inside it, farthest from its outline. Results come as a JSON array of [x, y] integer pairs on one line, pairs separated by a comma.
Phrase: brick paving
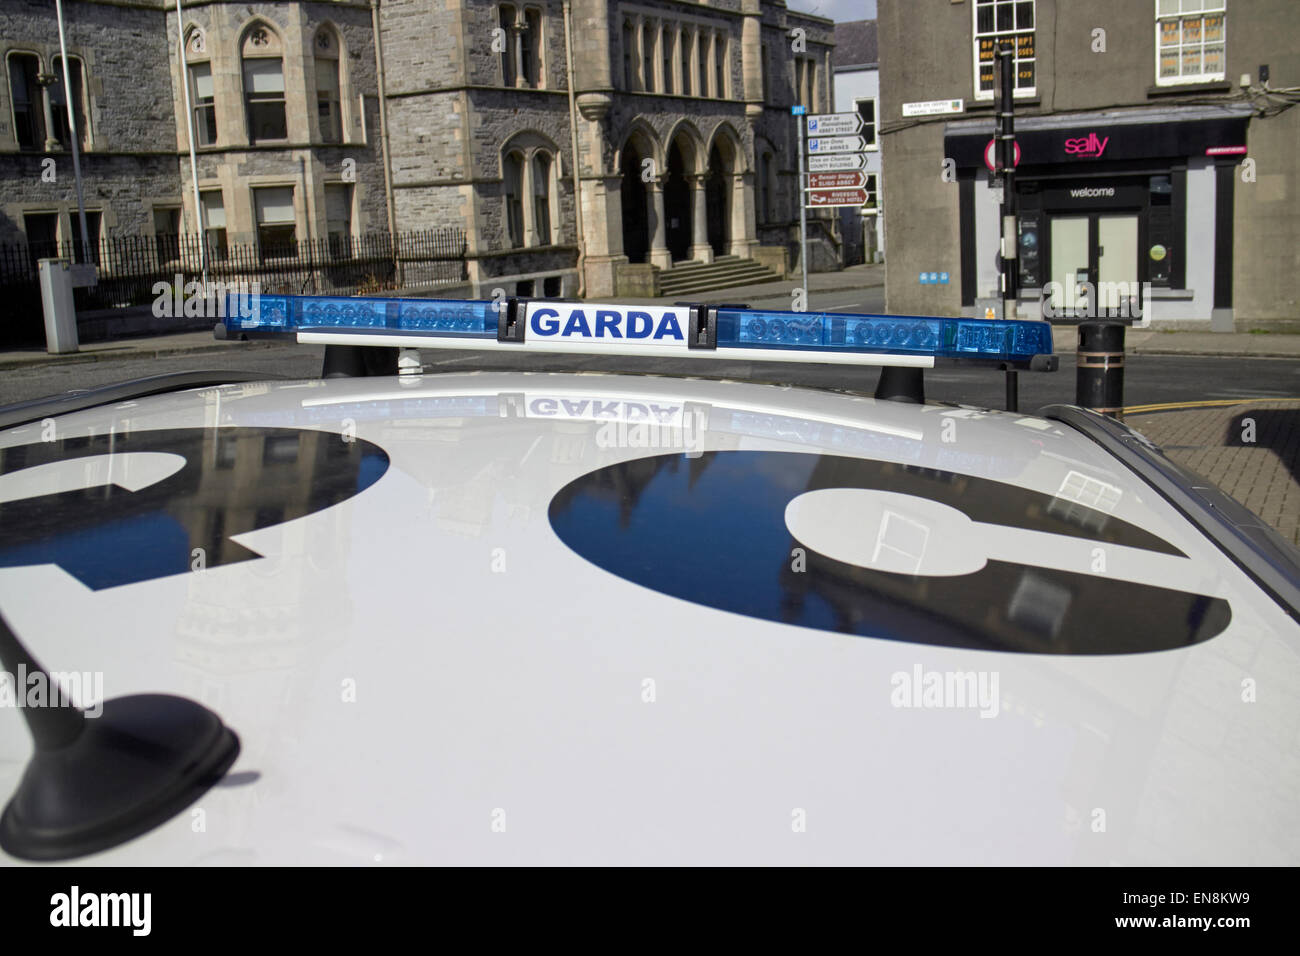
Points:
[[1250, 450]]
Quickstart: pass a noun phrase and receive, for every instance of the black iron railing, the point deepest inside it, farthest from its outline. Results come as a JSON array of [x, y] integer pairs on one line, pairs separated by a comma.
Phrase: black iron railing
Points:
[[130, 269]]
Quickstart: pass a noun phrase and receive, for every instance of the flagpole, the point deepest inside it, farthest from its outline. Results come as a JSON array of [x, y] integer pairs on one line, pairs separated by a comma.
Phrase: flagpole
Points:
[[73, 134], [194, 160]]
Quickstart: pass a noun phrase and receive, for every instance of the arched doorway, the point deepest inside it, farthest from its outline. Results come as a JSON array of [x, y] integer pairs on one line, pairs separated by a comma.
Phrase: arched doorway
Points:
[[677, 204], [717, 199], [636, 226]]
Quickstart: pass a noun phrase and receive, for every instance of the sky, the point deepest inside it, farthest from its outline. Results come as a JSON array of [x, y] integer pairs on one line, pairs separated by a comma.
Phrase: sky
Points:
[[837, 10]]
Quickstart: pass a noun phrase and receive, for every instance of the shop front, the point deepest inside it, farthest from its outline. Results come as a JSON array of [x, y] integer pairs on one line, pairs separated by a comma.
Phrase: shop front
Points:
[[1123, 214]]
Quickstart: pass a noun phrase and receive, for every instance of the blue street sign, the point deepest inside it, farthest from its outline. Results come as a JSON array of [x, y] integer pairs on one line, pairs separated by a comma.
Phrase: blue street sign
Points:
[[797, 111]]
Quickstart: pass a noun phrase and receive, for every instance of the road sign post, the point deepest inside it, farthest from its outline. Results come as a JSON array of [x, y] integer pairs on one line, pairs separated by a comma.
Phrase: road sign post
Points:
[[799, 111]]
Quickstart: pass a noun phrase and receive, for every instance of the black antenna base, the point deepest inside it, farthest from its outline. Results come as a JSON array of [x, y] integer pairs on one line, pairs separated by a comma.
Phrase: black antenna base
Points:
[[139, 763]]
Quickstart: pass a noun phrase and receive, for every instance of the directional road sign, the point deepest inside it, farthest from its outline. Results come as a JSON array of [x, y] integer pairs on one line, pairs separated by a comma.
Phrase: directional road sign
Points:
[[850, 180], [835, 161], [836, 144], [834, 124], [821, 198]]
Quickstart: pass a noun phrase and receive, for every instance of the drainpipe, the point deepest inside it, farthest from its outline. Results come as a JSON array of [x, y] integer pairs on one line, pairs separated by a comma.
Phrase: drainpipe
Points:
[[573, 131], [383, 122]]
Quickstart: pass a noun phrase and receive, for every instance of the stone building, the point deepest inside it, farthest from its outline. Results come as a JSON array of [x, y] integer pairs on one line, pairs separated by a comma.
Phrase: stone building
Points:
[[314, 120], [1157, 149]]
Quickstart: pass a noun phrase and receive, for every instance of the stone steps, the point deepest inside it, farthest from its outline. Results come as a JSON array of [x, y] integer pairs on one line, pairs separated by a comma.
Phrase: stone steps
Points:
[[723, 273]]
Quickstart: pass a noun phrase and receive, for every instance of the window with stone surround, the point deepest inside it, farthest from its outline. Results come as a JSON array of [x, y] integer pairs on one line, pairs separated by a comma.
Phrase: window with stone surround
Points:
[[59, 103], [338, 217], [540, 172], [530, 182], [685, 54], [629, 55], [263, 72], [720, 65], [277, 231], [530, 46], [26, 97], [214, 224], [674, 55], [702, 40], [521, 43], [668, 46], [329, 104], [202, 90], [505, 39], [512, 175]]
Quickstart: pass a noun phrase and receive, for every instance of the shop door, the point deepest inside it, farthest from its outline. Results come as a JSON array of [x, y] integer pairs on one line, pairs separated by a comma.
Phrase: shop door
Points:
[[1117, 258], [1098, 249], [1070, 248]]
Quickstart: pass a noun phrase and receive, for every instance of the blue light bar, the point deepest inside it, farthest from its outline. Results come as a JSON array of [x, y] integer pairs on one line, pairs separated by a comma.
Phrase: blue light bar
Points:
[[1010, 340], [297, 313], [698, 331]]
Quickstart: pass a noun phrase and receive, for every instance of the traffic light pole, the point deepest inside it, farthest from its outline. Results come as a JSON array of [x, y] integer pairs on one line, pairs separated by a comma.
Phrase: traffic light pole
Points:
[[1006, 163]]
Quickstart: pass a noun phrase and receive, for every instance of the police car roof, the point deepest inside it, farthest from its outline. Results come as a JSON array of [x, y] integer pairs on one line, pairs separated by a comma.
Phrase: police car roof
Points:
[[638, 620]]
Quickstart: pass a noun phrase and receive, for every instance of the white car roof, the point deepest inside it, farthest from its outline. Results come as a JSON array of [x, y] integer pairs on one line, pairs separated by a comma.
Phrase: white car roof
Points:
[[516, 618]]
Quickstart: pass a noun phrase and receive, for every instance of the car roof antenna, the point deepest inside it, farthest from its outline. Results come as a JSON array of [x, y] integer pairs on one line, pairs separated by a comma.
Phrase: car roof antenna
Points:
[[94, 782]]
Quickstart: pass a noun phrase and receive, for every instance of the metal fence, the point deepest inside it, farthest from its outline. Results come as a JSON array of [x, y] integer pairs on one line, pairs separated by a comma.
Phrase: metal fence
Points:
[[130, 267]]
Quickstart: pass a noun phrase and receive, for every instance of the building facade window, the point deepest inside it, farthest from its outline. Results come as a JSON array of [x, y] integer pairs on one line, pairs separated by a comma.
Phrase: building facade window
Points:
[[805, 82], [667, 46], [329, 109], [867, 111], [513, 186], [42, 232], [995, 21], [629, 56], [702, 40], [214, 224], [1190, 36], [506, 24], [263, 70], [720, 66], [522, 44], [648, 57], [203, 99], [94, 232], [26, 96], [530, 47], [541, 174], [338, 216], [686, 54], [167, 232], [277, 232], [59, 103]]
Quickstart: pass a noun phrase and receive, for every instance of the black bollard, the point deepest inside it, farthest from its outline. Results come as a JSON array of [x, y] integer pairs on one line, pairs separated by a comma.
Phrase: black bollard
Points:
[[1099, 384]]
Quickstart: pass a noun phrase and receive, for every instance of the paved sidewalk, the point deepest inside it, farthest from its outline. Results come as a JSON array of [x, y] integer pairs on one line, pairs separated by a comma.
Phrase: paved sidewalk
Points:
[[1251, 450], [1065, 341], [145, 347]]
